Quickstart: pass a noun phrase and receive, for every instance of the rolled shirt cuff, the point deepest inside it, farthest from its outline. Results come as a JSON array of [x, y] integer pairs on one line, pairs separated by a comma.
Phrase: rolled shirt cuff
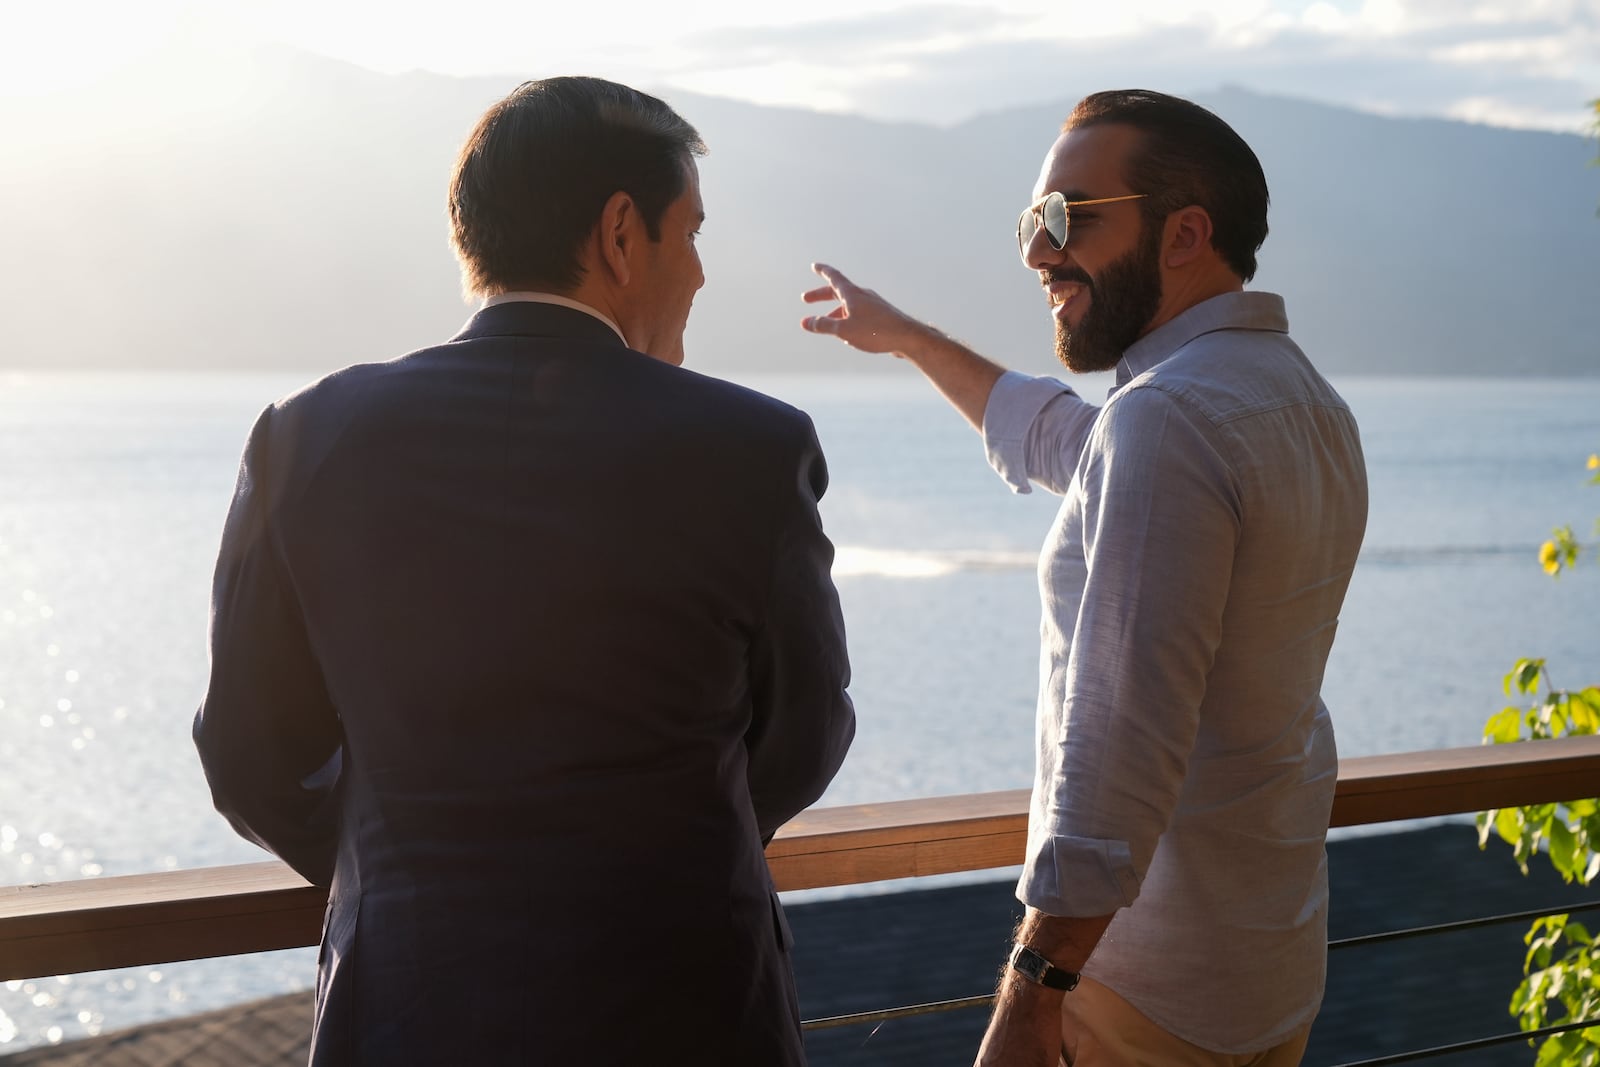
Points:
[[1077, 877], [1014, 402]]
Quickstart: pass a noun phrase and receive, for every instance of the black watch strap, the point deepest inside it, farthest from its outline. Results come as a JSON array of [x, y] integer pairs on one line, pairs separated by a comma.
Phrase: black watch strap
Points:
[[1035, 968]]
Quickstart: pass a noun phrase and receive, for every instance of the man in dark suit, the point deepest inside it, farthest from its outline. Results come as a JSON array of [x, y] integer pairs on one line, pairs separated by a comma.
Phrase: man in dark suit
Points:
[[525, 644]]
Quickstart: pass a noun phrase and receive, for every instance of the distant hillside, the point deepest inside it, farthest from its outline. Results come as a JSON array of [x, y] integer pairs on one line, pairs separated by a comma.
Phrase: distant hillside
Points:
[[273, 209]]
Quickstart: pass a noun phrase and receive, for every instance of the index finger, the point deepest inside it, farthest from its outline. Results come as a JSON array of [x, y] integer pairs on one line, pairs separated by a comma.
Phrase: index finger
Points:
[[832, 276]]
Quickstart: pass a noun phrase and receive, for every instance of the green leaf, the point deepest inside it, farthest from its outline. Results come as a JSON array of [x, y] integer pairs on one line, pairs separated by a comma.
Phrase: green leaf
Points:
[[1504, 727], [1557, 984], [1508, 824], [1563, 849], [1520, 997], [1558, 552], [1534, 1000], [1585, 719], [1585, 709], [1524, 675]]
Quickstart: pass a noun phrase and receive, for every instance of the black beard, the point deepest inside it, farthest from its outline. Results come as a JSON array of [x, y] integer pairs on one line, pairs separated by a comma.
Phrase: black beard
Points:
[[1122, 301]]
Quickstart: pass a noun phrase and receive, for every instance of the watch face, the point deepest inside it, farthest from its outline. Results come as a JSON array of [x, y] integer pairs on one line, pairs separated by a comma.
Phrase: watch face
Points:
[[1029, 962]]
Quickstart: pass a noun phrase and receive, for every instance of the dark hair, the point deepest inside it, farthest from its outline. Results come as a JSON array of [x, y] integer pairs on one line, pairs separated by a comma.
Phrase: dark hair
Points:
[[540, 165], [1188, 156]]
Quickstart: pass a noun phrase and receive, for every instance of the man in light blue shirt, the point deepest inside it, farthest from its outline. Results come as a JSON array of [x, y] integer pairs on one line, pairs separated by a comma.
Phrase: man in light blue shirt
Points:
[[1212, 512]]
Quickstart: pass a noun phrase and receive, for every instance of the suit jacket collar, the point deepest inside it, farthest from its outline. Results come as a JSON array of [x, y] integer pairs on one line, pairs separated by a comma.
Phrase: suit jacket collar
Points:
[[524, 319]]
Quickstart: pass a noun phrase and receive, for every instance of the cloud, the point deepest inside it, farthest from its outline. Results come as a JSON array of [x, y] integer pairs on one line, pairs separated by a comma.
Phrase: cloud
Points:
[[1530, 64], [907, 30]]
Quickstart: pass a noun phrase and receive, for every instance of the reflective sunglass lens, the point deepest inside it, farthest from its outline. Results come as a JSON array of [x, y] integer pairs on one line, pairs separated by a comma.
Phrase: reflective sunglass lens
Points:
[[1054, 211], [1027, 226]]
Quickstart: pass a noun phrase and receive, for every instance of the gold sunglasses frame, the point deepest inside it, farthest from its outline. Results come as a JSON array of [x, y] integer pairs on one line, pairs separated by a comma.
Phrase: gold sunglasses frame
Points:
[[1036, 209]]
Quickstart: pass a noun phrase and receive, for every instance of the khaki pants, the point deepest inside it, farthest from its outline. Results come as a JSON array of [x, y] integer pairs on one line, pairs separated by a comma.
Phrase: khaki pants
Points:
[[1100, 1029]]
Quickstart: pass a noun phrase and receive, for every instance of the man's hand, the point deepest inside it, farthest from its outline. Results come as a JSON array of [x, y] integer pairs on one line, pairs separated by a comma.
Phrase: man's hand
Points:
[[863, 320], [1025, 1030], [866, 321]]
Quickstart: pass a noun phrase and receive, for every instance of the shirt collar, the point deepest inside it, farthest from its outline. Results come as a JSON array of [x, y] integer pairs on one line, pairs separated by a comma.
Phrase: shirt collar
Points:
[[526, 296], [1229, 311]]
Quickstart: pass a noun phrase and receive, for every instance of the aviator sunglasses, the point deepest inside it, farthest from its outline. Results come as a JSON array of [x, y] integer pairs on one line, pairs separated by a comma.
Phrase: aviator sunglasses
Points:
[[1055, 213]]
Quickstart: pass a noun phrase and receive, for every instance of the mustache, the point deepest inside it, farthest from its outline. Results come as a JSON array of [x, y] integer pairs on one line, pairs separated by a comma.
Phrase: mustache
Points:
[[1076, 275]]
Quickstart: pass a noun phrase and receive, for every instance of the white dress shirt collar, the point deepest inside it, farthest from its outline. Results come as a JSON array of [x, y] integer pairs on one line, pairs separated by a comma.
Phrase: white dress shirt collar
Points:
[[529, 297]]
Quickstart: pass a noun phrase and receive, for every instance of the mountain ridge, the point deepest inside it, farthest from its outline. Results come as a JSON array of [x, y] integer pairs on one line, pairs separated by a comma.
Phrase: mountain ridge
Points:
[[291, 216]]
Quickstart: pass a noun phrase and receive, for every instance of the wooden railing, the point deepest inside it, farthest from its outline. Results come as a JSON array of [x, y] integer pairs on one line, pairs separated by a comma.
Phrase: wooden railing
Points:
[[137, 920]]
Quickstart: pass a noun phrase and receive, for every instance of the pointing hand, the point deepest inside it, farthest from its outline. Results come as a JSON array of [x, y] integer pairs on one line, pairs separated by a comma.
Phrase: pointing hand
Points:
[[863, 319]]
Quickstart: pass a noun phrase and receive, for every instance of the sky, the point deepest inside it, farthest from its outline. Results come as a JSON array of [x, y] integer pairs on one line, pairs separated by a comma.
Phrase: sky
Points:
[[1523, 63]]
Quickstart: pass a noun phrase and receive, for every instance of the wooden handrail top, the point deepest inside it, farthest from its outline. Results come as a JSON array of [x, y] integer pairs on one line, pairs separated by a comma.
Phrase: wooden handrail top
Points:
[[134, 920], [1453, 781]]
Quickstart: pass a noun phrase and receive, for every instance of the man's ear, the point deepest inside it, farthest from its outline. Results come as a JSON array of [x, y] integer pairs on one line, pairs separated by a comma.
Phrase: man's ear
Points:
[[1187, 235], [618, 233]]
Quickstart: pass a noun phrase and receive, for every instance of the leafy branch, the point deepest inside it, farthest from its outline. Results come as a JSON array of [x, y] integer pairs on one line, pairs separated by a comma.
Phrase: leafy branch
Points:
[[1561, 972], [1562, 549]]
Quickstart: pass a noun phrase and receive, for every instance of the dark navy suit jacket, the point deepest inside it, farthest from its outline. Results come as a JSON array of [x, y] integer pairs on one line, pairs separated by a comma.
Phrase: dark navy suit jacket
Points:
[[525, 644]]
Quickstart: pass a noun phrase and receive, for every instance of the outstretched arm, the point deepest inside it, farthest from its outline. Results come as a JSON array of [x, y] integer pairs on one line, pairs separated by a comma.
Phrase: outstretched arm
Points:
[[1033, 428], [866, 321]]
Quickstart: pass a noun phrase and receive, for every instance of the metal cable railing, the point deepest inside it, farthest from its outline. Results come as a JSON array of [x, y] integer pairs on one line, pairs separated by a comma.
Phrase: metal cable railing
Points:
[[941, 1006], [932, 1008], [1470, 1046], [1465, 924]]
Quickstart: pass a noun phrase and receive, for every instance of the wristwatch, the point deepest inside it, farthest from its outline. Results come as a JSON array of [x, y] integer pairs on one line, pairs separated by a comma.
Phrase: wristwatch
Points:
[[1035, 968]]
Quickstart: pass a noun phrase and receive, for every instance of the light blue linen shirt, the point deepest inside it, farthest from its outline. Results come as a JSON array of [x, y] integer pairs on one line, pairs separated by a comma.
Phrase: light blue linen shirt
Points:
[[1212, 513]]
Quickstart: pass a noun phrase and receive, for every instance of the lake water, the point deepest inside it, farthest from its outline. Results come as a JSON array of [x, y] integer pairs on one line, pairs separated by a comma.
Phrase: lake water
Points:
[[113, 489]]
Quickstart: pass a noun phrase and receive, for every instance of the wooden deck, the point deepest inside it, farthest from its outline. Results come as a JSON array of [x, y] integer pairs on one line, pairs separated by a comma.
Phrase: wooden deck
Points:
[[275, 1032]]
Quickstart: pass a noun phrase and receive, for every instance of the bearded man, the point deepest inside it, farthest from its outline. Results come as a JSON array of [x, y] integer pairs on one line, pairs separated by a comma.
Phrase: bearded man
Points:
[[1213, 508]]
